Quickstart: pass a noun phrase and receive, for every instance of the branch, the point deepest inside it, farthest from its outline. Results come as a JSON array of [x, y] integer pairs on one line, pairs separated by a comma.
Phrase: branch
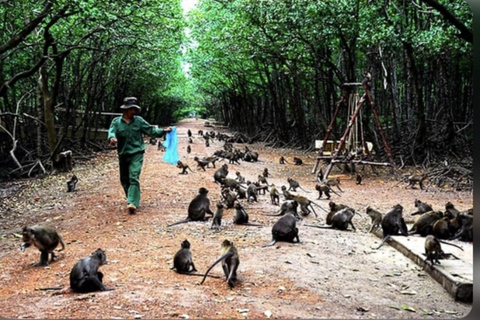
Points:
[[465, 33], [13, 42]]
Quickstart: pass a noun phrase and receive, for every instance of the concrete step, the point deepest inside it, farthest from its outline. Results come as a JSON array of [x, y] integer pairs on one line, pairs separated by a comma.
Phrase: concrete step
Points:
[[453, 273]]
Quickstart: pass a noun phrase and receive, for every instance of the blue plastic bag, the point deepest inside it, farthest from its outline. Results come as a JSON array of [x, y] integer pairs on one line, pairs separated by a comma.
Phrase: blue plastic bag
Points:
[[171, 154]]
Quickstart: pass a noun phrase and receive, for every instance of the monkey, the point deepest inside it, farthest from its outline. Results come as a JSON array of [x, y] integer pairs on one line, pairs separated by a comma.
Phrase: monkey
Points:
[[189, 149], [340, 220], [198, 207], [189, 133], [282, 160], [320, 176], [190, 140], [85, 276], [44, 238], [241, 217], [229, 198], [221, 174], [251, 191], [230, 261], [200, 132], [305, 203], [285, 229], [251, 156], [161, 147], [334, 207], [376, 217], [359, 179], [217, 217], [265, 173], [441, 228], [207, 143], [424, 224], [294, 185], [450, 210], [241, 193], [334, 182], [392, 223], [263, 188], [184, 167], [274, 195], [465, 233], [182, 261], [422, 207], [289, 206], [229, 183], [72, 184], [153, 141], [201, 163], [262, 179], [211, 160], [323, 188], [297, 161], [239, 177], [414, 179], [433, 249]]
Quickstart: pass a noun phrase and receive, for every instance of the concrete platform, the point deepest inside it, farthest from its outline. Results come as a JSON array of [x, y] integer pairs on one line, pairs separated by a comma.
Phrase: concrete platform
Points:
[[454, 274]]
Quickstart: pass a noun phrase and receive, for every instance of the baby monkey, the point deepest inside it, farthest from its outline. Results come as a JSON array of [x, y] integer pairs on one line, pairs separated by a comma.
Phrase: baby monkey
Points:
[[184, 167]]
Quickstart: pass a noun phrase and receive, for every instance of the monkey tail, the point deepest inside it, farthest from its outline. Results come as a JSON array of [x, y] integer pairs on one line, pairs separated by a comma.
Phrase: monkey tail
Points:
[[452, 244], [385, 239], [270, 244], [179, 222], [225, 256], [315, 226], [252, 224], [304, 189], [319, 206], [62, 243]]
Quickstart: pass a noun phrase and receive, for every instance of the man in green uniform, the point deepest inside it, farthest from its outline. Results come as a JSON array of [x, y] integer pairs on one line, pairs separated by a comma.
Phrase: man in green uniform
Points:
[[126, 133]]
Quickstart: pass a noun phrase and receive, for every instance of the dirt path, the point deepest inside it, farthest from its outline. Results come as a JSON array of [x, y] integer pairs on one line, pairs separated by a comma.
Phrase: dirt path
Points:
[[331, 274]]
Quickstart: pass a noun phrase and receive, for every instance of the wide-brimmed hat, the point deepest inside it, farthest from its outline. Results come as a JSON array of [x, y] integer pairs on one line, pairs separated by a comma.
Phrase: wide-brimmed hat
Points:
[[130, 102]]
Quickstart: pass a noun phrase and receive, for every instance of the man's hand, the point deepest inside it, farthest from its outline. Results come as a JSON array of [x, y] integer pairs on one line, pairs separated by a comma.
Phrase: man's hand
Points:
[[167, 129], [113, 142]]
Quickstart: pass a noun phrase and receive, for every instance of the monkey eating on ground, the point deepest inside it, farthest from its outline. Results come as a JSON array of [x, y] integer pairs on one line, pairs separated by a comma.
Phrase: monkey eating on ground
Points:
[[72, 184], [230, 261], [285, 229], [189, 149], [297, 161], [85, 276], [221, 174], [359, 179], [340, 220], [294, 185], [239, 177], [229, 198], [414, 179], [45, 239], [422, 207], [392, 223], [334, 182], [189, 133], [424, 224], [282, 160], [433, 249], [197, 208], [376, 217], [217, 217], [184, 167], [183, 261], [274, 195], [241, 217]]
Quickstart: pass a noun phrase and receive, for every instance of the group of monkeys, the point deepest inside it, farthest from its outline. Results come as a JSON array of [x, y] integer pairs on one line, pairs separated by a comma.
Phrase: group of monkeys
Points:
[[435, 225]]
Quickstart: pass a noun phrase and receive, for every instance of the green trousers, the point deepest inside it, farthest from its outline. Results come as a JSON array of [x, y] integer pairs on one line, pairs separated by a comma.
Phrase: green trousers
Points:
[[130, 168]]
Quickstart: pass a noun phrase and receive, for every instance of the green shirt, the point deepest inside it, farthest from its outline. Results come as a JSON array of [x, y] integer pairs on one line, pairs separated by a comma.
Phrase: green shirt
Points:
[[129, 135]]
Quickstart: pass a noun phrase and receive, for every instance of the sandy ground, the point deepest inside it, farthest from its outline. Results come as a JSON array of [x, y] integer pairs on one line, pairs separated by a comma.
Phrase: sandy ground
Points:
[[330, 274]]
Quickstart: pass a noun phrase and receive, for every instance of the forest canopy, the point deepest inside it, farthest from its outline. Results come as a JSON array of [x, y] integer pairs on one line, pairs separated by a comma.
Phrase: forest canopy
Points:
[[273, 70]]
